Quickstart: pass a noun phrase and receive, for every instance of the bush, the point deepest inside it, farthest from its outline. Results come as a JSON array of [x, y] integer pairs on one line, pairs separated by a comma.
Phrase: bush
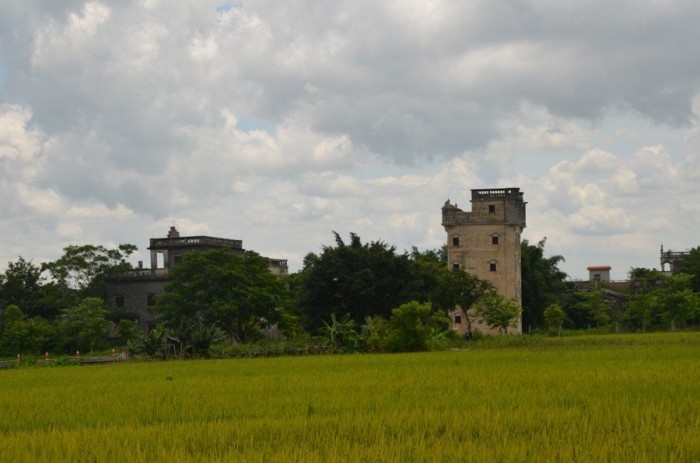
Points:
[[412, 328]]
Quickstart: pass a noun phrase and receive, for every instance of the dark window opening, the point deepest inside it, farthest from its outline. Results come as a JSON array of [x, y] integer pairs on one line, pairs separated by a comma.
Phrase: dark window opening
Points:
[[492, 266], [119, 301], [596, 276], [492, 208], [455, 266], [494, 240], [458, 319], [455, 241]]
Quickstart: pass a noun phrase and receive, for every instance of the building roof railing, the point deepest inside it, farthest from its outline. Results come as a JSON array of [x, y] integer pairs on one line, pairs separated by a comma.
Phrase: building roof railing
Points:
[[194, 242], [497, 193]]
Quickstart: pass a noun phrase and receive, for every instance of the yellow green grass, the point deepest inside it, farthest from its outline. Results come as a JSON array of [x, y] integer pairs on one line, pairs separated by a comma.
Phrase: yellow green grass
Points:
[[604, 398]]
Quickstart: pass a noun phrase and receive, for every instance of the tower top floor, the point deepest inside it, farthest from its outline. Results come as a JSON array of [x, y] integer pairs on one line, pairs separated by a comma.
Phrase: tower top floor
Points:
[[488, 206]]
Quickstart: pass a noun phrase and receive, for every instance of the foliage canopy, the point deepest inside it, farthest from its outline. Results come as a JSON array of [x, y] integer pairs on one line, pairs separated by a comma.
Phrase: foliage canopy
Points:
[[543, 283], [234, 293]]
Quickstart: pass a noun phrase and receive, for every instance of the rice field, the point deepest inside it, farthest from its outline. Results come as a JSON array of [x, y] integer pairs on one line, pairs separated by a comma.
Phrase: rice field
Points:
[[600, 398]]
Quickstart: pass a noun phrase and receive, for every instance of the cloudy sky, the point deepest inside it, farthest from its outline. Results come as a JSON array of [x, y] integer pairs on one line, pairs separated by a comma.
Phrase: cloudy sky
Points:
[[278, 122]]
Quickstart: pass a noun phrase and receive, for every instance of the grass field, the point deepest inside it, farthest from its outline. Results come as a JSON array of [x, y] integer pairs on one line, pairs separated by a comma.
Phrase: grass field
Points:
[[629, 398]]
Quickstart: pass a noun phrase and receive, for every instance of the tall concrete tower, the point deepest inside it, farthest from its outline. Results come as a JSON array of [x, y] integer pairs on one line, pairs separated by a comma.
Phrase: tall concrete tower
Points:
[[486, 241]]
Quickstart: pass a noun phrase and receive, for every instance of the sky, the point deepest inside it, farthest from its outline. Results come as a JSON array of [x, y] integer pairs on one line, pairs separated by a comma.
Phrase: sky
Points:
[[277, 123]]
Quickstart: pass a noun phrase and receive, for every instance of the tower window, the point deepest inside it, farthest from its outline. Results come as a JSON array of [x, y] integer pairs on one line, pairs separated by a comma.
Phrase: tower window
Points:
[[494, 239], [455, 266], [455, 240], [492, 266], [458, 319], [492, 208]]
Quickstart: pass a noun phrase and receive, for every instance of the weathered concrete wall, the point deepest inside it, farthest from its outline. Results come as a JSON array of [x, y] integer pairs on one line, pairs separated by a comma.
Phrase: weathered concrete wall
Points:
[[135, 294]]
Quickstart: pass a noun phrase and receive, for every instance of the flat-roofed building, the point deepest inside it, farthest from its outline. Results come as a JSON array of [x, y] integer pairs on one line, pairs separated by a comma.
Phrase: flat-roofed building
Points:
[[599, 272], [131, 293]]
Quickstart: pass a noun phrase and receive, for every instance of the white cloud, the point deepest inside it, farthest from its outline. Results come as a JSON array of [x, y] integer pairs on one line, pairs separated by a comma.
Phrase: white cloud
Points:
[[42, 202], [17, 140], [276, 123], [100, 210], [597, 162], [70, 231], [204, 49], [55, 41], [600, 220], [654, 167]]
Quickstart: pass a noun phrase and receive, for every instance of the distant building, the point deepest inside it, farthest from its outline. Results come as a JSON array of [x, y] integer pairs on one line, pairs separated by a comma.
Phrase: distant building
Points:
[[599, 273], [670, 260], [486, 243], [133, 292]]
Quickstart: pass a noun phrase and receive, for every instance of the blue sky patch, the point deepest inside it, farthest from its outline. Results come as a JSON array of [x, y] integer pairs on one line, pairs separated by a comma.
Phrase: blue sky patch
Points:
[[228, 6], [248, 124]]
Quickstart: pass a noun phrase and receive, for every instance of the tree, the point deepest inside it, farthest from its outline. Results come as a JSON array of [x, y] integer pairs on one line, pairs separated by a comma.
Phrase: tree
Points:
[[12, 335], [435, 256], [55, 297], [459, 289], [691, 266], [128, 330], [21, 286], [374, 333], [411, 326], [543, 283], [645, 280], [219, 288], [661, 300], [157, 343], [677, 299], [643, 309], [85, 325], [592, 308], [497, 311], [341, 333], [192, 337], [85, 268], [359, 279], [554, 317], [21, 334]]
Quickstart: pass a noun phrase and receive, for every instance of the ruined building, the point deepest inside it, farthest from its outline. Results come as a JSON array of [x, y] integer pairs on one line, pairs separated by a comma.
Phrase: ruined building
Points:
[[486, 243], [670, 260], [133, 292]]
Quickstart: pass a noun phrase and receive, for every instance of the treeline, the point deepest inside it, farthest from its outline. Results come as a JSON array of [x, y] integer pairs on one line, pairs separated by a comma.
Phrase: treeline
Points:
[[352, 296], [649, 300], [59, 306]]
